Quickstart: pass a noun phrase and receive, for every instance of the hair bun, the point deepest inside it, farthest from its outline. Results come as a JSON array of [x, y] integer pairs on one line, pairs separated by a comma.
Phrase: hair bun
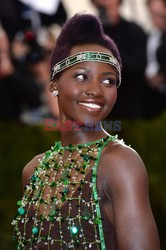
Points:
[[82, 28], [85, 25]]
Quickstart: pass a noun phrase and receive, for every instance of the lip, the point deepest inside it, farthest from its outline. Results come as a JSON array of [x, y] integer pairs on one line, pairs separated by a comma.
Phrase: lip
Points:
[[91, 104]]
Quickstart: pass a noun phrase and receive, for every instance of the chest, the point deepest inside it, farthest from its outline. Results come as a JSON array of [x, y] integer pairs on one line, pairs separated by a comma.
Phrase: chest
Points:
[[61, 206]]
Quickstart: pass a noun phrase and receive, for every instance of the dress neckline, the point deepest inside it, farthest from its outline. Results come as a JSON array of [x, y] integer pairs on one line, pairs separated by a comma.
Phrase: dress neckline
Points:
[[59, 146]]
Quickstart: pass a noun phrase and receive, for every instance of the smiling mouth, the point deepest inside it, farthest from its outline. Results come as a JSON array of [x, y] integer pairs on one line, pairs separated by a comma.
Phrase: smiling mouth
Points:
[[91, 105]]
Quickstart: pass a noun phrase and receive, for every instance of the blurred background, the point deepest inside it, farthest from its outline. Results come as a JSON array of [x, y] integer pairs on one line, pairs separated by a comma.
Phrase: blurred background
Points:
[[28, 33]]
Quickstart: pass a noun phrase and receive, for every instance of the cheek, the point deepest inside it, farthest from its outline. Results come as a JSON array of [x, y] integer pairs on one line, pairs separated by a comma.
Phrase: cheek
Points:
[[112, 96], [68, 91]]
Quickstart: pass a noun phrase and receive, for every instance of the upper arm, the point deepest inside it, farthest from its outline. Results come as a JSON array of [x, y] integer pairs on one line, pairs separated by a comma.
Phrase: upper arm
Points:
[[127, 183], [29, 169]]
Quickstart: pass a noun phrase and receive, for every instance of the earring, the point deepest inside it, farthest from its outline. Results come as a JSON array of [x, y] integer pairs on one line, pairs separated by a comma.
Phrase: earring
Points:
[[55, 93]]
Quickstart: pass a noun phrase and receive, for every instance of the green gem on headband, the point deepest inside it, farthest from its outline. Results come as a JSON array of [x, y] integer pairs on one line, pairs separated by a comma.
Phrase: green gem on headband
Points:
[[87, 56]]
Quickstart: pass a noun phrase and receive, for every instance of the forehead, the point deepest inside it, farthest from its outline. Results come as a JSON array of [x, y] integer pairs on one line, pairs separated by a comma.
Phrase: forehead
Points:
[[91, 66], [97, 68], [89, 47]]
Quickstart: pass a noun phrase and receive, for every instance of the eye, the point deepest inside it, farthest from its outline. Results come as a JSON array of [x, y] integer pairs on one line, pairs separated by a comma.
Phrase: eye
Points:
[[110, 81], [81, 76]]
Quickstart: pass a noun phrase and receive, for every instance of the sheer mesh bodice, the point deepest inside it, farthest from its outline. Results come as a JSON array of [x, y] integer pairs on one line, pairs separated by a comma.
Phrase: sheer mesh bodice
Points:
[[60, 208]]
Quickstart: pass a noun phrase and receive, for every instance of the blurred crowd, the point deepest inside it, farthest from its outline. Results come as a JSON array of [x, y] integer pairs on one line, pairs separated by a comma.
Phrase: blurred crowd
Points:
[[28, 32]]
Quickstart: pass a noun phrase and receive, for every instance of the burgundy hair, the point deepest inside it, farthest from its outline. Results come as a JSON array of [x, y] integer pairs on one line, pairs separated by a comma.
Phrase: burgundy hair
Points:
[[82, 29]]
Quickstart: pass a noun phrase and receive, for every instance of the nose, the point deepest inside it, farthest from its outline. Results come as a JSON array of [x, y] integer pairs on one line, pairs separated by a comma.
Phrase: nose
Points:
[[94, 89]]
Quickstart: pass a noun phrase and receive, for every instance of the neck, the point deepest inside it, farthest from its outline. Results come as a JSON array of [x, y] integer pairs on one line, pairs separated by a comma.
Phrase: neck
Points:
[[113, 17], [82, 134]]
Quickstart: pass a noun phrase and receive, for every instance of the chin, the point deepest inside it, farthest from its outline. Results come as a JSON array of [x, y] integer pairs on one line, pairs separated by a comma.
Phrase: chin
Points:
[[91, 121]]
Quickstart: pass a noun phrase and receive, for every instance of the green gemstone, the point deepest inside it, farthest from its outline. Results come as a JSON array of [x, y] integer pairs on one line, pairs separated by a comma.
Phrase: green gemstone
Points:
[[37, 195], [77, 243], [84, 165], [64, 174], [42, 183], [86, 214], [32, 240], [33, 178], [97, 221], [52, 184], [21, 210], [66, 190], [57, 146], [41, 201], [86, 157], [47, 153], [63, 198], [62, 220], [70, 147], [42, 217], [53, 211], [45, 237], [65, 182], [35, 230], [56, 166], [74, 230], [63, 64], [19, 203], [94, 175], [46, 165], [51, 218]]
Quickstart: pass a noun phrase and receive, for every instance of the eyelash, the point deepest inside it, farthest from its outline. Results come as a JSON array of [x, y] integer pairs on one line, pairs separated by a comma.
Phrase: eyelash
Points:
[[112, 81], [81, 74]]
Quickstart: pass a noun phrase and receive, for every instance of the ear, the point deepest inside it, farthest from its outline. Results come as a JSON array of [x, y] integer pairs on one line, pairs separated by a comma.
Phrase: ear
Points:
[[53, 86]]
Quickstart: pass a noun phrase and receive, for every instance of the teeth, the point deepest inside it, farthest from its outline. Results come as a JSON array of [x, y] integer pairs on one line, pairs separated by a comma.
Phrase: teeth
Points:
[[90, 105]]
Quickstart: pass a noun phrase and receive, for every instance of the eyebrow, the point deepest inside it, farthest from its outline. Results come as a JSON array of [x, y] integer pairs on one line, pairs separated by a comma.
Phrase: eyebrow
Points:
[[108, 73], [88, 70]]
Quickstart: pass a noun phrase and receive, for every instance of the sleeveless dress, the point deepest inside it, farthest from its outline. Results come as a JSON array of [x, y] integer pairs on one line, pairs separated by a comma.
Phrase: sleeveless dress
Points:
[[61, 208]]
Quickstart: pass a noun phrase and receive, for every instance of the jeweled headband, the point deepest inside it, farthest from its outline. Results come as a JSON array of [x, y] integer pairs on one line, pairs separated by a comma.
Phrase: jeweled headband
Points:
[[87, 56]]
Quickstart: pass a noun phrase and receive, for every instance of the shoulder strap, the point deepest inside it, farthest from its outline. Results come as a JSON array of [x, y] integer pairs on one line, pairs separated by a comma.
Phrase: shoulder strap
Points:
[[95, 193]]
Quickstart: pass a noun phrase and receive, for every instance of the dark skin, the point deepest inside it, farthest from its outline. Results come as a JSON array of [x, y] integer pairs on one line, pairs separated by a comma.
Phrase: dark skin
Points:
[[122, 178]]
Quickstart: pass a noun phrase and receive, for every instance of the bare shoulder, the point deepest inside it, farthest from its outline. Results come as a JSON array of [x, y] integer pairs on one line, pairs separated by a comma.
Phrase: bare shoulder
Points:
[[122, 165], [119, 154], [126, 186], [30, 167]]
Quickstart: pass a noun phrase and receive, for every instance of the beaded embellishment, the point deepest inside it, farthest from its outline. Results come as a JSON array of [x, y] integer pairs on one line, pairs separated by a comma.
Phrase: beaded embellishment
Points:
[[60, 206], [87, 56]]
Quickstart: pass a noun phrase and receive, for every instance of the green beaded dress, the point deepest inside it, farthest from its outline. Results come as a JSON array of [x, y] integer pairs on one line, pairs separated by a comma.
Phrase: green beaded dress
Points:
[[60, 208]]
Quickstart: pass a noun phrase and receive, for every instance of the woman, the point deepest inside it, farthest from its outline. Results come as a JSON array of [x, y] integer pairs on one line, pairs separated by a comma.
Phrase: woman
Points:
[[90, 190]]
